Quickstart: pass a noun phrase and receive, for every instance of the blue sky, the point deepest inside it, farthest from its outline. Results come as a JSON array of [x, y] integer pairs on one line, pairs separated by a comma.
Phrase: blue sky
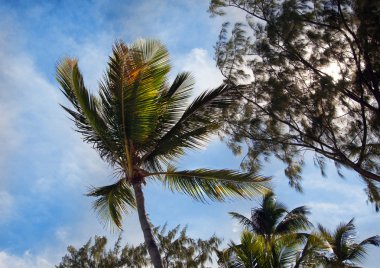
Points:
[[45, 168]]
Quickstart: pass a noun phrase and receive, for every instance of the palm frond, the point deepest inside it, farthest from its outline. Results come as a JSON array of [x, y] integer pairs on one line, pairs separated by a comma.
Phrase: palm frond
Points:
[[210, 100], [88, 110], [72, 85], [359, 251], [294, 221], [246, 222], [343, 237], [266, 217], [171, 105], [312, 252], [216, 185], [249, 253], [284, 255], [342, 243], [134, 79], [326, 234], [183, 83], [194, 127], [373, 240], [112, 201]]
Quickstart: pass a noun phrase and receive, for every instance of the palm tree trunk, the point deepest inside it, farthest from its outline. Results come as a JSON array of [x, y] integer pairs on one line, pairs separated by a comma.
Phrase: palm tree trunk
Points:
[[145, 226]]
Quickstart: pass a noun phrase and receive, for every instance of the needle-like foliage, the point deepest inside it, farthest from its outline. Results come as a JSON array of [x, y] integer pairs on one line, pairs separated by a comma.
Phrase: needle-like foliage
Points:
[[314, 84]]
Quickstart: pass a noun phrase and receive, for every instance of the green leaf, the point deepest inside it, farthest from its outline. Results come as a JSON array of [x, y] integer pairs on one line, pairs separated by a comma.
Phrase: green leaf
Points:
[[112, 201], [194, 127], [216, 185]]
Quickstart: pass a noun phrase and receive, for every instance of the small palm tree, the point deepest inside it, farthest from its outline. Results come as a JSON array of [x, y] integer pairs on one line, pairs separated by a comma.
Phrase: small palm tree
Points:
[[344, 251], [139, 124], [272, 236], [272, 219]]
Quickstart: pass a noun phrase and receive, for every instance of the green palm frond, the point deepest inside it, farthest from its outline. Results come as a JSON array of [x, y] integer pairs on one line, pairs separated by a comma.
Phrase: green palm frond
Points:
[[283, 255], [254, 251], [183, 83], [359, 251], [326, 234], [312, 252], [88, 110], [112, 201], [216, 185], [73, 87], [156, 57], [171, 105], [295, 220], [343, 237], [248, 253], [136, 75], [342, 242], [373, 240], [194, 127], [244, 221]]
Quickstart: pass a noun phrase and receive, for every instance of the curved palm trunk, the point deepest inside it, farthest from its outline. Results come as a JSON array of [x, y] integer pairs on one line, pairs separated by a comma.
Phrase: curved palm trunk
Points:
[[145, 226]]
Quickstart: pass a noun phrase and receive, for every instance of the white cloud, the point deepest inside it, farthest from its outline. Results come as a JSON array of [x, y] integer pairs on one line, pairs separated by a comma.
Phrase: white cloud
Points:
[[349, 187], [25, 261], [335, 213], [202, 66], [92, 57]]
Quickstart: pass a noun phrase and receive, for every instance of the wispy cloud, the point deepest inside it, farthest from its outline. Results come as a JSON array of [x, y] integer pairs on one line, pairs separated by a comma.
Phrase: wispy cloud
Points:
[[45, 168], [201, 64], [25, 261]]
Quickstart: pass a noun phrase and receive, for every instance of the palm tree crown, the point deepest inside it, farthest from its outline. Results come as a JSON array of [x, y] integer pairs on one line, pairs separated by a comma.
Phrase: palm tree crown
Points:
[[344, 251], [272, 218], [272, 235], [139, 124]]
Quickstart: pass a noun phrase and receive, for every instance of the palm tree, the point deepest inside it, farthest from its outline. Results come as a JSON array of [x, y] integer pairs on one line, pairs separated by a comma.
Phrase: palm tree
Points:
[[344, 251], [272, 219], [246, 254], [273, 235], [139, 124]]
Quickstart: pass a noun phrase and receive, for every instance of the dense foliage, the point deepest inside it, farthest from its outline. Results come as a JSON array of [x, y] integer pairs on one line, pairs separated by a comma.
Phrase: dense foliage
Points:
[[176, 247], [273, 237], [276, 238], [308, 73]]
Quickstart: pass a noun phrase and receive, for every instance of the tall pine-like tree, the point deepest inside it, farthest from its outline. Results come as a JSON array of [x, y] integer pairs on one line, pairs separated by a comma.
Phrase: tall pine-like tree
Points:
[[308, 74]]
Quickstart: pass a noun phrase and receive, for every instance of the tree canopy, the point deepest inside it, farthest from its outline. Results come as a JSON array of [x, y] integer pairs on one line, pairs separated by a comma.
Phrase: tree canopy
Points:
[[176, 248], [276, 238], [308, 75]]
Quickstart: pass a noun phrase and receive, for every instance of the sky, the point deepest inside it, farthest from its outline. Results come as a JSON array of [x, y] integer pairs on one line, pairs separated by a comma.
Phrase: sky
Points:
[[46, 169]]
